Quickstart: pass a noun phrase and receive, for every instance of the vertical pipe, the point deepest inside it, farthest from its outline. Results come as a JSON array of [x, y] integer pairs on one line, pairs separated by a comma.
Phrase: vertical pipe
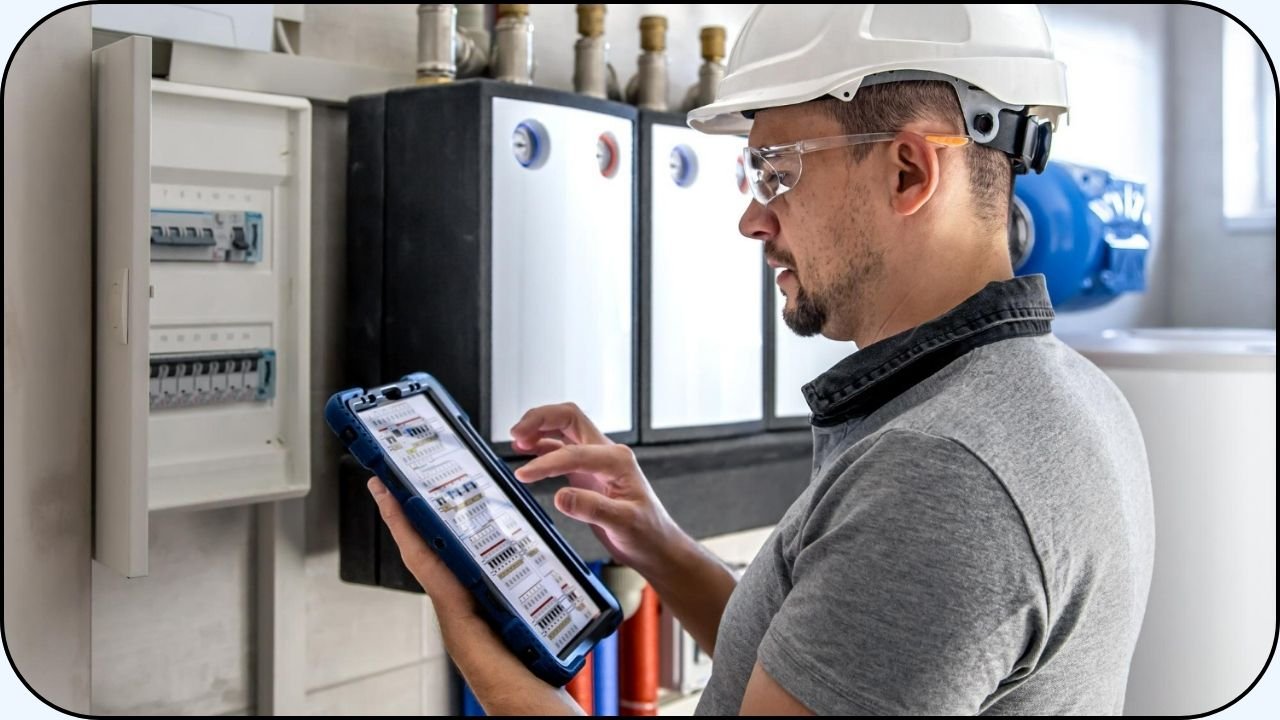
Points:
[[589, 56], [513, 61], [648, 89], [712, 70], [605, 662], [437, 37], [606, 675], [638, 642], [470, 705], [582, 687], [472, 38]]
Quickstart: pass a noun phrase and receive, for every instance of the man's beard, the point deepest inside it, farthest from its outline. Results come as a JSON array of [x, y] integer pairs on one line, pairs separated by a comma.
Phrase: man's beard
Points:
[[807, 314], [812, 307]]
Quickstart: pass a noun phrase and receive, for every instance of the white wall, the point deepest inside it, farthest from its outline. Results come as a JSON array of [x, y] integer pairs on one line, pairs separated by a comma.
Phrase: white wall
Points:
[[1116, 84], [48, 371], [1145, 85], [1217, 277], [180, 639], [386, 36], [556, 30]]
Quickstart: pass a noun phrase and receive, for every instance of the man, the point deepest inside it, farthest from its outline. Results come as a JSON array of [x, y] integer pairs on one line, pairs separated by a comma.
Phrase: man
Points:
[[977, 536]]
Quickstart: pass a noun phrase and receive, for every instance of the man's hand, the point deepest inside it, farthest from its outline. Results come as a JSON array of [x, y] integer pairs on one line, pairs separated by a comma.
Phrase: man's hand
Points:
[[607, 489], [502, 684], [450, 598]]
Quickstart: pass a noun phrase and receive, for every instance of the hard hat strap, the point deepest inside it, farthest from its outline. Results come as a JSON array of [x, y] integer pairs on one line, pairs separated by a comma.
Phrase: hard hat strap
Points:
[[1025, 139], [1012, 129]]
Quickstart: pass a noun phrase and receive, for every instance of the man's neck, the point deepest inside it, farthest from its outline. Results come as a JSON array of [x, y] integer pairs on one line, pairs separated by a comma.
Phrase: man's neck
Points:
[[926, 295]]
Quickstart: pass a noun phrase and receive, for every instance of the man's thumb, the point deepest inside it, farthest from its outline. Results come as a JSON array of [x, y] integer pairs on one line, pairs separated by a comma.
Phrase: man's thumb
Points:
[[588, 506]]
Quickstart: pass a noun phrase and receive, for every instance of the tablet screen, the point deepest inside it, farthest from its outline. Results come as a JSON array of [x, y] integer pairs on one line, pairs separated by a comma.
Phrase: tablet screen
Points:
[[518, 561]]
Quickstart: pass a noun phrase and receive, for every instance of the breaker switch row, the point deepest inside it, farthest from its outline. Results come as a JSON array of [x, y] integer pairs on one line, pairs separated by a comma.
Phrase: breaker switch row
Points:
[[195, 380]]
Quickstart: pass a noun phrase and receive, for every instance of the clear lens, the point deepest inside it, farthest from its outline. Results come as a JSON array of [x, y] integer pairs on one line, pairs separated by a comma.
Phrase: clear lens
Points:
[[770, 177], [754, 168], [774, 170]]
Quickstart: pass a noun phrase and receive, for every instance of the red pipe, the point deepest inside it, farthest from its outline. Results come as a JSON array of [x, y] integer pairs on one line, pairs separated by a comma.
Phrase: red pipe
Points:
[[582, 687], [638, 659]]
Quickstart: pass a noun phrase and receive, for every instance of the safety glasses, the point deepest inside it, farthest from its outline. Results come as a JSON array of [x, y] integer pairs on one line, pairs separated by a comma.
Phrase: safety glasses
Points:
[[773, 170]]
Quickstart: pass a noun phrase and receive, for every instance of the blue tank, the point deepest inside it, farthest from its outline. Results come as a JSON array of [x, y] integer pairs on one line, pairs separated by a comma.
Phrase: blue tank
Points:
[[1087, 232]]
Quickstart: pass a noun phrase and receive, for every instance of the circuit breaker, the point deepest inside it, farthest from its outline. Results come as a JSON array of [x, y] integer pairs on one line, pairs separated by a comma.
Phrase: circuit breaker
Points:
[[202, 299], [492, 243], [702, 322]]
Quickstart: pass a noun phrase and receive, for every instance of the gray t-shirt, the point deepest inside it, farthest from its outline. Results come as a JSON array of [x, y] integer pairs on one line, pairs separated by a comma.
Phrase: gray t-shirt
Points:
[[977, 536]]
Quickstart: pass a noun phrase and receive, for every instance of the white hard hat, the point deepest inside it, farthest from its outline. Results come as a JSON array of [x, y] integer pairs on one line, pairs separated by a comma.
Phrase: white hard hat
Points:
[[998, 57]]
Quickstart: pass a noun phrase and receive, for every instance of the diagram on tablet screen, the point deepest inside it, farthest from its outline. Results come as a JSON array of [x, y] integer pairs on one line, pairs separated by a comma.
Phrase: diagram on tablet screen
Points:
[[499, 537]]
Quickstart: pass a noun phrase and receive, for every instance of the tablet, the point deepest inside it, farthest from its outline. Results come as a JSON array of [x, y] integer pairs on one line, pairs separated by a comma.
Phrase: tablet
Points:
[[529, 583]]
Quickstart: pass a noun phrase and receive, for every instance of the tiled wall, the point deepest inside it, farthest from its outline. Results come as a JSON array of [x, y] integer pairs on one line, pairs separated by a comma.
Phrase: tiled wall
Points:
[[371, 650]]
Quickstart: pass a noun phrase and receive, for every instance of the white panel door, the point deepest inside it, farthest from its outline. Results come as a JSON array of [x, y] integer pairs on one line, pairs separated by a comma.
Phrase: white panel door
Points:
[[122, 91], [563, 265], [706, 300]]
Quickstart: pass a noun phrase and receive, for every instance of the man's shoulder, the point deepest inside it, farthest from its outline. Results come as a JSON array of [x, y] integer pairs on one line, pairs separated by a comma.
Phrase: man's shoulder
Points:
[[910, 467], [1014, 403]]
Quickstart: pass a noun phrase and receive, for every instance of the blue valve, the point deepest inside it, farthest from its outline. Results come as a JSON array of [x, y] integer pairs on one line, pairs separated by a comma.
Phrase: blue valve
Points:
[[1086, 231]]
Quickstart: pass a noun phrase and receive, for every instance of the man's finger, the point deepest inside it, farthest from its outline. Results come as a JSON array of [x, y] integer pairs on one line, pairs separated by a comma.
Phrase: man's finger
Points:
[[611, 461], [413, 549], [529, 442], [565, 418], [591, 507], [542, 446]]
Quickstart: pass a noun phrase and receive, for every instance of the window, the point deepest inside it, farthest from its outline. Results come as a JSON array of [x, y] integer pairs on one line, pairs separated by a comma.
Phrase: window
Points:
[[1249, 132]]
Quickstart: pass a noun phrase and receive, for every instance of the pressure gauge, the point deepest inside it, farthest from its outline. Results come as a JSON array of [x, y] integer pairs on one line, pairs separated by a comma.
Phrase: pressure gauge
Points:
[[607, 156], [530, 144], [684, 165]]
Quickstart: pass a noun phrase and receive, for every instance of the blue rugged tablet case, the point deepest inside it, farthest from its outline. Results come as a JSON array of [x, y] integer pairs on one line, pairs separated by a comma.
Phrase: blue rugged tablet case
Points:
[[517, 636]]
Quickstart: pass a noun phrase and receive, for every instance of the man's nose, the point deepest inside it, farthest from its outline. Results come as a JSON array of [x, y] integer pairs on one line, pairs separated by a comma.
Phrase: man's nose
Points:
[[758, 222]]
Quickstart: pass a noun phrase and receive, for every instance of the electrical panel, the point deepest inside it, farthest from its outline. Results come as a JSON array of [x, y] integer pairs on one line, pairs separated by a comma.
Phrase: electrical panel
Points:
[[702, 324], [492, 243], [202, 299]]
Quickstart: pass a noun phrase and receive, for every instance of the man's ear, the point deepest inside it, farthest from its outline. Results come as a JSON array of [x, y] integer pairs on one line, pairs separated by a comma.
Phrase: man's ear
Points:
[[917, 172]]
